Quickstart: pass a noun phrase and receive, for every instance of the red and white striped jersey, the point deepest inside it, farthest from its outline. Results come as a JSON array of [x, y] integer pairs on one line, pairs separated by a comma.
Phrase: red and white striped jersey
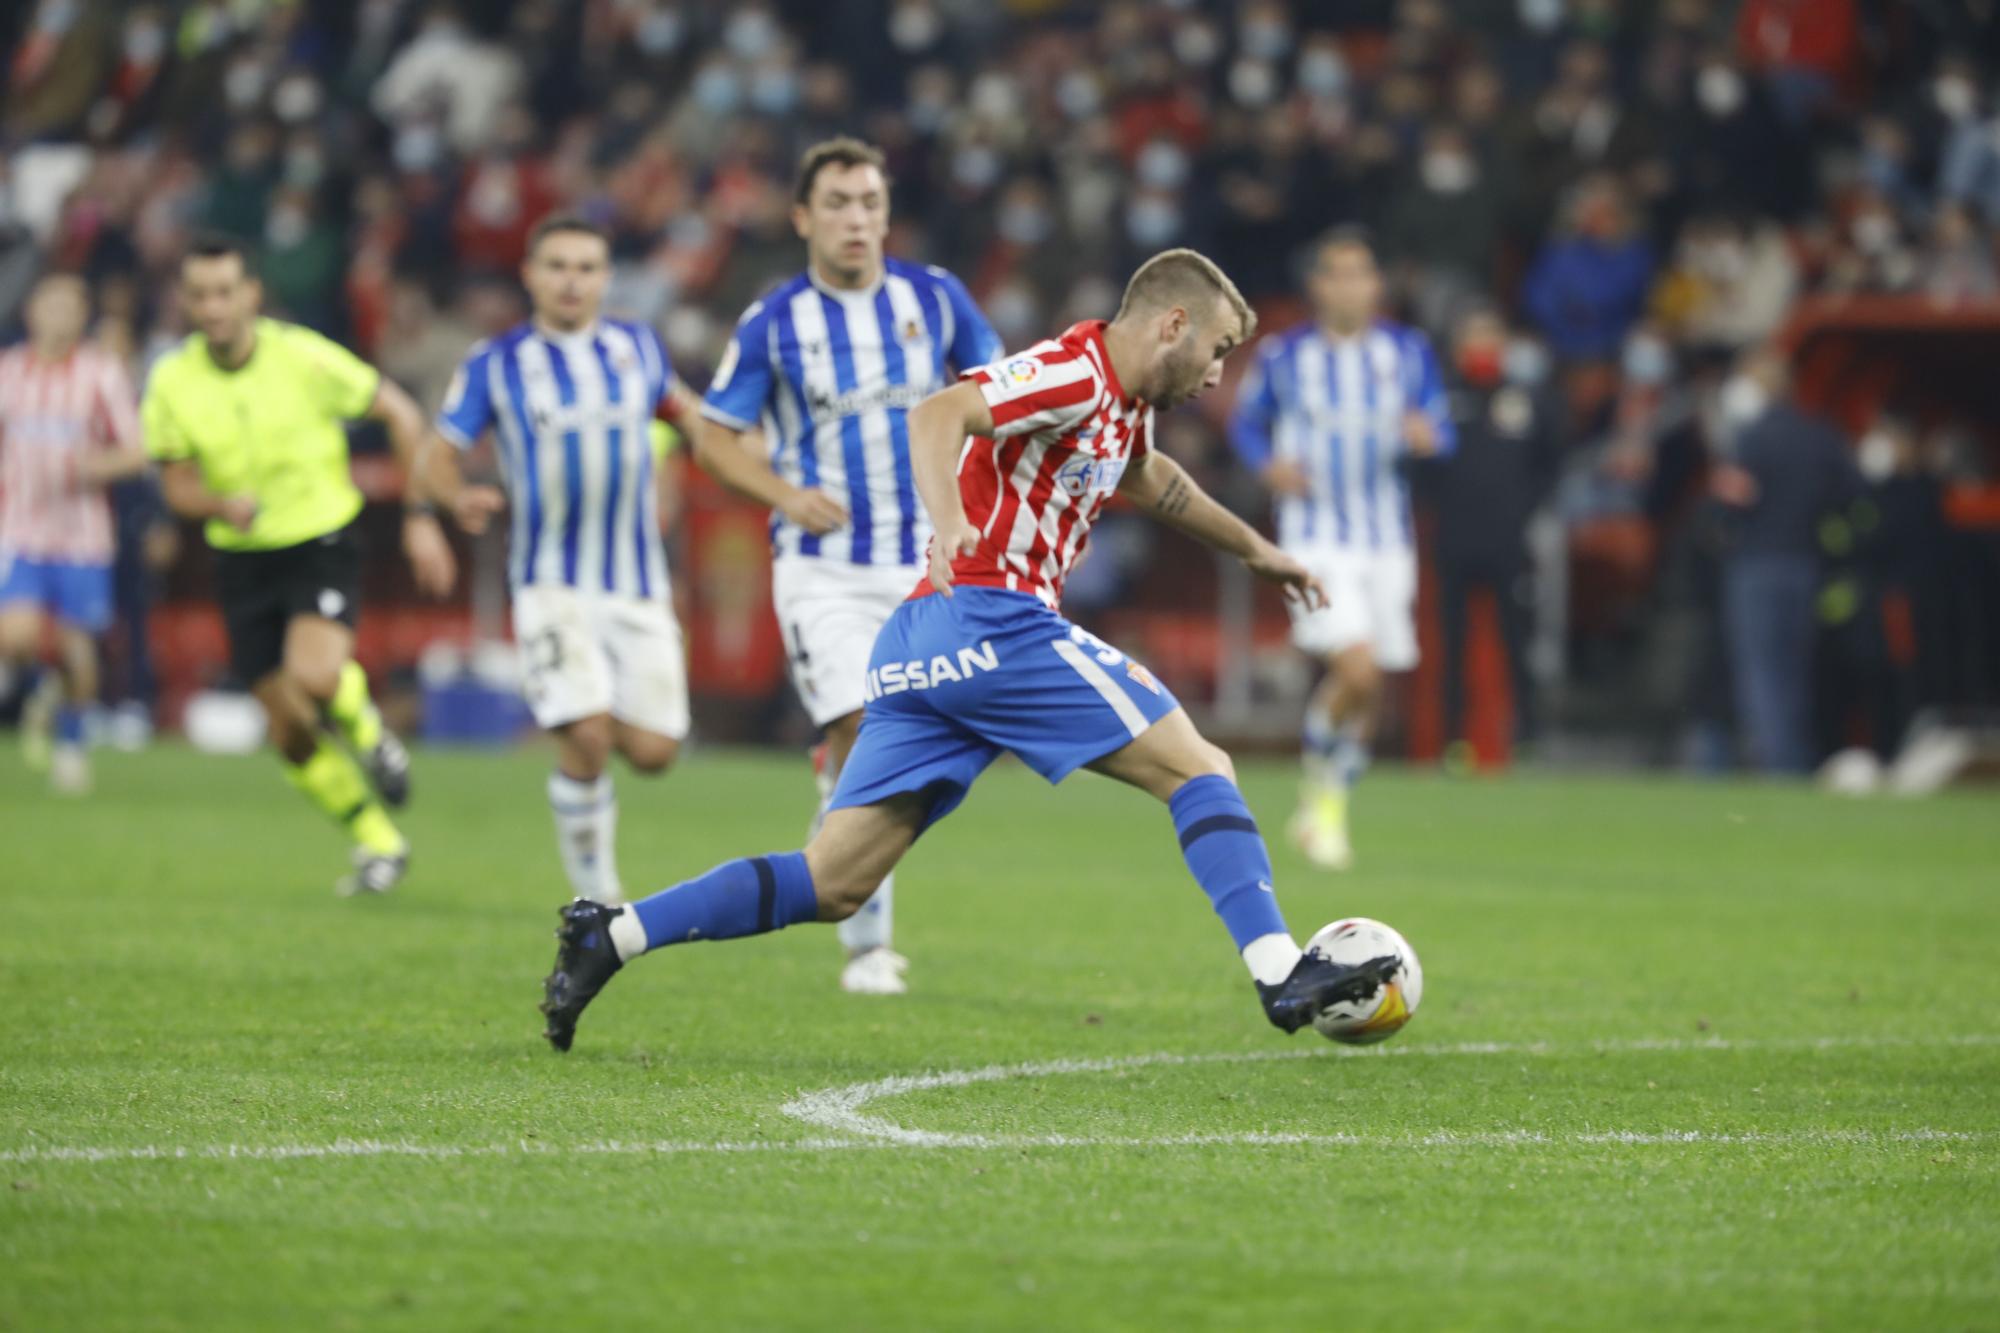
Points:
[[1063, 434], [53, 414]]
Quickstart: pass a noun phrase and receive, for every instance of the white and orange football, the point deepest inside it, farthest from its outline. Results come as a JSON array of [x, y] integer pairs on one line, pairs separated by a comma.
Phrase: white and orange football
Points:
[[1356, 940]]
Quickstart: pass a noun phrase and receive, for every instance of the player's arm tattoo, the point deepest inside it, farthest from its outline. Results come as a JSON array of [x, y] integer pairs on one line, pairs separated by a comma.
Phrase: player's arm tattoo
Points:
[[1174, 500]]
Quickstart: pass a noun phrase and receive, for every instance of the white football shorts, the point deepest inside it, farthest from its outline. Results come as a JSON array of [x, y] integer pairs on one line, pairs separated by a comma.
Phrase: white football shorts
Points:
[[829, 613], [1371, 600], [586, 653]]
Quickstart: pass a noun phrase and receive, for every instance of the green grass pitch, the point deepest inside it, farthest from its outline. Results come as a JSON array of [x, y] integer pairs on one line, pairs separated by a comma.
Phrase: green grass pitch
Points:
[[1719, 1056]]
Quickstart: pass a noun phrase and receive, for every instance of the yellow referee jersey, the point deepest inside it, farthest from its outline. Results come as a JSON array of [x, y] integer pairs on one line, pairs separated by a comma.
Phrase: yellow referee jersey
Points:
[[271, 428]]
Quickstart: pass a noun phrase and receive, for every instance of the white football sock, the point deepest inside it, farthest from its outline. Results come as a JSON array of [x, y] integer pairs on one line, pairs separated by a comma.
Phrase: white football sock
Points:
[[586, 834], [869, 927], [628, 935], [1272, 957]]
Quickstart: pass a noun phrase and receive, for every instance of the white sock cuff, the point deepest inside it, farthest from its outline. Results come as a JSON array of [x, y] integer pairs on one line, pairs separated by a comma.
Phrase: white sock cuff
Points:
[[1272, 957], [628, 935], [576, 797]]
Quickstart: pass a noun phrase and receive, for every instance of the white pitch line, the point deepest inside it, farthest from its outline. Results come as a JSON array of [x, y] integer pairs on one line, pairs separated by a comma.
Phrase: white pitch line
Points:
[[840, 1109]]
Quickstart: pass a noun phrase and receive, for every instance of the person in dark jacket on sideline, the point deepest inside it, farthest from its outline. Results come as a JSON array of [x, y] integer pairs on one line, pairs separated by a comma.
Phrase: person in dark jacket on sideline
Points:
[[1787, 472]]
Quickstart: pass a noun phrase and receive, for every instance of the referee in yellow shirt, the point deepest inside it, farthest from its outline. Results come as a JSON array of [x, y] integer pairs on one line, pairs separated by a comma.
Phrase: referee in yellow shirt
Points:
[[246, 420]]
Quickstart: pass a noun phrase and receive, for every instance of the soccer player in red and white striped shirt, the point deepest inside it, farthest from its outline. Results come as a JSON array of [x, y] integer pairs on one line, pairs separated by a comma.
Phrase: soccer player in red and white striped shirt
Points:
[[68, 429], [1013, 464]]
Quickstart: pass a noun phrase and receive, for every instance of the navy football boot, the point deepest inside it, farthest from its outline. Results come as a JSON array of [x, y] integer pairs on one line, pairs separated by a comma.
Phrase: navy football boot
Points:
[[1318, 982], [585, 960]]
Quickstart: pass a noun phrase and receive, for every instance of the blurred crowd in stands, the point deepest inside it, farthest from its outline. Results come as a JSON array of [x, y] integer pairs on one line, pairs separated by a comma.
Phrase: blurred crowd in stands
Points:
[[1645, 188]]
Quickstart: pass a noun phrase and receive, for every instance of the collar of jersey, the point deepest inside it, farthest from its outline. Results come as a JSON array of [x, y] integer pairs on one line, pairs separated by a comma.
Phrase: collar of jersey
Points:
[[843, 294], [583, 337], [260, 328], [1093, 329]]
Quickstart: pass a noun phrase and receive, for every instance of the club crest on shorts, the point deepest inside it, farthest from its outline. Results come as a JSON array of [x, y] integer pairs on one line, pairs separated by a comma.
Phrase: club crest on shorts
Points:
[[1141, 675], [1023, 371], [331, 603]]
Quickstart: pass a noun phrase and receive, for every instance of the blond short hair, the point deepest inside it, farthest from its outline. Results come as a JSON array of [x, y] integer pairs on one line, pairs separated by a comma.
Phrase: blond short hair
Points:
[[1182, 278]]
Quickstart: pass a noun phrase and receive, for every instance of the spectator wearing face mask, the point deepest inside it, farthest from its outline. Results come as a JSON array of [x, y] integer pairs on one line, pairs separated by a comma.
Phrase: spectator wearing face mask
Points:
[[1733, 281], [1483, 495], [1958, 265], [1969, 171], [1788, 471], [1445, 217]]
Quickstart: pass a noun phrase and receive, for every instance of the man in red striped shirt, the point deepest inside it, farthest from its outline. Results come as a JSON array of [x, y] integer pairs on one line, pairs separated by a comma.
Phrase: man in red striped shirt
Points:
[[68, 429], [1013, 464]]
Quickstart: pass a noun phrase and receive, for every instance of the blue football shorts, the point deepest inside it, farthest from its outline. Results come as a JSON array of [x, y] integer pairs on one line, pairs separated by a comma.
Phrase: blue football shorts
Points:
[[953, 681]]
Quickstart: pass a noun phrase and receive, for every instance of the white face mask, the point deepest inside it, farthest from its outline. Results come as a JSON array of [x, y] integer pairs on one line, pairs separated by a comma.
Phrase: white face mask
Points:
[[1743, 400], [1152, 222], [1448, 173], [912, 27], [286, 228], [1077, 94], [1876, 455], [1197, 43], [1161, 164], [1321, 73], [659, 32], [1525, 362], [1873, 233], [752, 34], [1252, 83], [1955, 96], [1264, 38], [1540, 15], [1719, 90]]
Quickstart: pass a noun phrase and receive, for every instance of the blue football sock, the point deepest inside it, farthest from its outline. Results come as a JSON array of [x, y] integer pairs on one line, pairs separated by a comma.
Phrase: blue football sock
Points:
[[1349, 754], [1220, 841], [69, 725], [1319, 746], [749, 896]]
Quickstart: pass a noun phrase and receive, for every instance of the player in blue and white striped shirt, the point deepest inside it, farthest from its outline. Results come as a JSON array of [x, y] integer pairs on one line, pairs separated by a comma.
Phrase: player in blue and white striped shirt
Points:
[[1327, 414], [828, 365], [570, 398]]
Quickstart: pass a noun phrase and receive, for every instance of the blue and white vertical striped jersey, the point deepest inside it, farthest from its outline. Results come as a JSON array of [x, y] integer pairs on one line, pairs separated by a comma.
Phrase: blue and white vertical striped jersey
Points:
[[573, 416], [1334, 407], [832, 376]]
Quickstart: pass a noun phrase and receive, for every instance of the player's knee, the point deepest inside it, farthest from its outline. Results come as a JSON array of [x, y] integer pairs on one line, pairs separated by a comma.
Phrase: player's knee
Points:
[[20, 637], [649, 753], [319, 680], [295, 741], [1216, 762], [841, 883]]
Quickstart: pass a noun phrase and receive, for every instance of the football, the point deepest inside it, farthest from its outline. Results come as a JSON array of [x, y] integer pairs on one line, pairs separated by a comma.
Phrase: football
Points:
[[1355, 940]]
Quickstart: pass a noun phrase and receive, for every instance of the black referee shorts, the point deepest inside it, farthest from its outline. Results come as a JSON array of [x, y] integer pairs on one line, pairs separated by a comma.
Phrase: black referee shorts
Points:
[[260, 592]]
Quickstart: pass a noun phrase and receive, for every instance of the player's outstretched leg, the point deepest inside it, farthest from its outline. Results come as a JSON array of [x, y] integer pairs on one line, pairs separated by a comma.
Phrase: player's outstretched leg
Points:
[[381, 753], [1226, 854], [754, 895], [873, 966]]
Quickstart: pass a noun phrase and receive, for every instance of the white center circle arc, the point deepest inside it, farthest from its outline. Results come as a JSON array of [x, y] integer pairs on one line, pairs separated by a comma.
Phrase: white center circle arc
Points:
[[843, 1109]]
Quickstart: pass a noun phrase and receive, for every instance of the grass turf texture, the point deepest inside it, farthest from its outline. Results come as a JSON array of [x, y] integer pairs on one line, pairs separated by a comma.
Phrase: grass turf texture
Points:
[[178, 975]]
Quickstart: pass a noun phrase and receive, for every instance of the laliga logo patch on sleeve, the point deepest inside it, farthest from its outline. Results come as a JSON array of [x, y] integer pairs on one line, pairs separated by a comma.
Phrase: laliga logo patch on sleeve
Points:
[[1140, 674], [1023, 371]]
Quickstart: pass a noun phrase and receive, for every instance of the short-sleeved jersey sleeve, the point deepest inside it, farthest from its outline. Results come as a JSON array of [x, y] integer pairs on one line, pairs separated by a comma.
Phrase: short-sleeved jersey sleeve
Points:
[[467, 411], [159, 425], [1256, 414], [341, 383], [1047, 387], [1428, 394], [973, 341], [659, 366], [742, 383]]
